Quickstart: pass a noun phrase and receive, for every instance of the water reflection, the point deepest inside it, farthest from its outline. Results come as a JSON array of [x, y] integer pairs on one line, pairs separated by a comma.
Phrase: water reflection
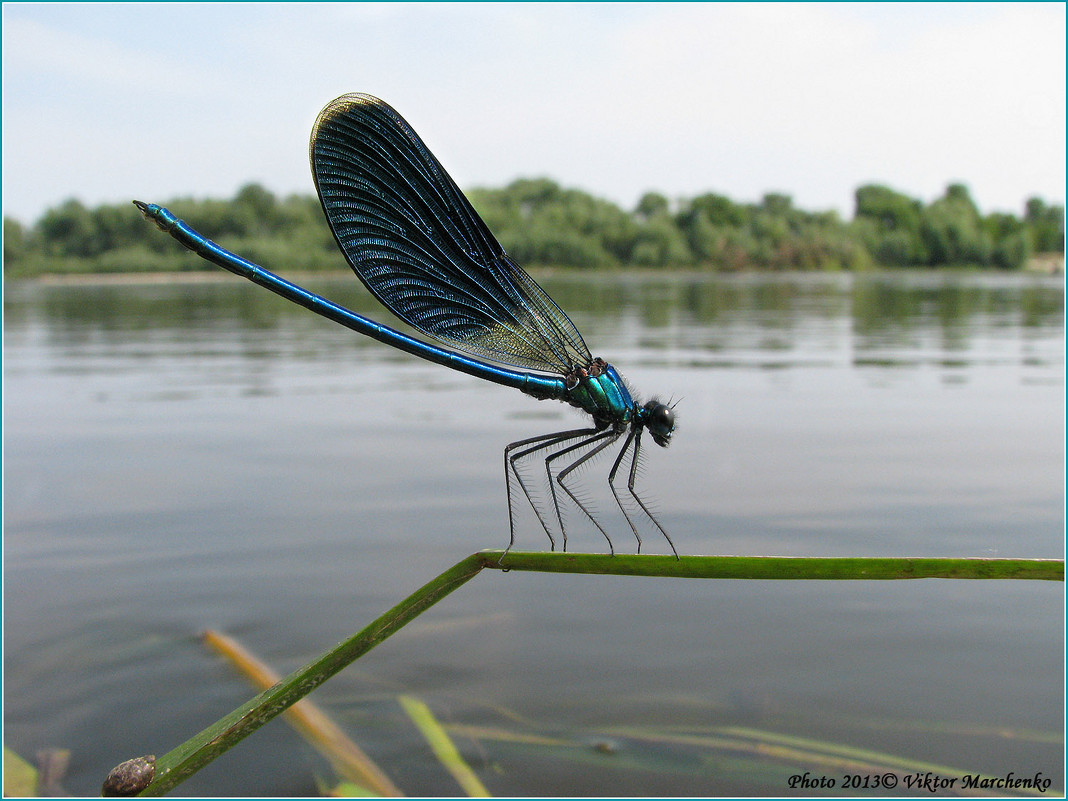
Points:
[[202, 453], [801, 313]]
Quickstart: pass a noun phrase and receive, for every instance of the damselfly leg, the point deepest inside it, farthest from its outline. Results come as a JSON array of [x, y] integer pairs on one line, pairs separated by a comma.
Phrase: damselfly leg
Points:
[[511, 468], [634, 436], [608, 436], [601, 439]]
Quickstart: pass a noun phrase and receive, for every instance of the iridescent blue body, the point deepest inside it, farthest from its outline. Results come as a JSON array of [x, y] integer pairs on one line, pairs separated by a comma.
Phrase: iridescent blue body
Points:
[[604, 396], [413, 239], [539, 386]]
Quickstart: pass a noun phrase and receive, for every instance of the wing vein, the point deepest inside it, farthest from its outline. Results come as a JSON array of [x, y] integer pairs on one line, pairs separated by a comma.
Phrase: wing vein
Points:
[[422, 250]]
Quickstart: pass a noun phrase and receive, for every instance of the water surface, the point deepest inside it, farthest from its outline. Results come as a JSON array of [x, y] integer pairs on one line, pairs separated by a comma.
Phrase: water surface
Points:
[[191, 455]]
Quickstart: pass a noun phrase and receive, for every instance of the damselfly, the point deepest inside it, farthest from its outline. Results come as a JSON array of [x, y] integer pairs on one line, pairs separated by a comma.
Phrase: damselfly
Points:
[[420, 248]]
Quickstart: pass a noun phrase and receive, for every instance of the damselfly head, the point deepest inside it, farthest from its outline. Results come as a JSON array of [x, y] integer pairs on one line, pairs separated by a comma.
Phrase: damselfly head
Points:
[[659, 418]]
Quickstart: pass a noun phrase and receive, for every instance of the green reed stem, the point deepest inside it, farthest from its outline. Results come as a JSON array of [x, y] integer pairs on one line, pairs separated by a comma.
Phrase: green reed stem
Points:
[[811, 568], [199, 750], [189, 757]]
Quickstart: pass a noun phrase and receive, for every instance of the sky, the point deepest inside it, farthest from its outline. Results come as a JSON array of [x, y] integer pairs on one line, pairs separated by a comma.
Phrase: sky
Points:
[[110, 102]]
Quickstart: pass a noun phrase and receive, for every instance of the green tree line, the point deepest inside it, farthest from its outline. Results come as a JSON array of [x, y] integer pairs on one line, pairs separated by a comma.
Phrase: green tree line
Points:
[[541, 223]]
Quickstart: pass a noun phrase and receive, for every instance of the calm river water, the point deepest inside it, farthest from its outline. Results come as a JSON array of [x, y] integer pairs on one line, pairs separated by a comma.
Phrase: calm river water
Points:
[[184, 455]]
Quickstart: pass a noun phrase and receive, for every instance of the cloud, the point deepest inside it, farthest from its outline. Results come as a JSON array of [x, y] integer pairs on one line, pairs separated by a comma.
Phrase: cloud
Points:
[[807, 99], [43, 53]]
